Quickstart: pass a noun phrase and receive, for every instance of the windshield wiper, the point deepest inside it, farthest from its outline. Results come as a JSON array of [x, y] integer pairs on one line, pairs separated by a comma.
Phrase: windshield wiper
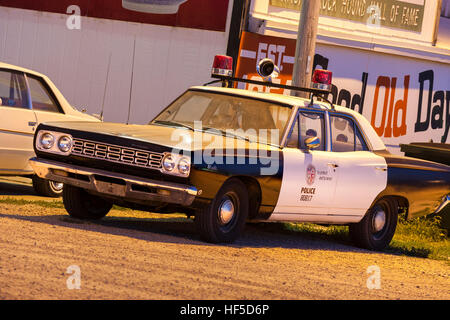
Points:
[[226, 133], [174, 123]]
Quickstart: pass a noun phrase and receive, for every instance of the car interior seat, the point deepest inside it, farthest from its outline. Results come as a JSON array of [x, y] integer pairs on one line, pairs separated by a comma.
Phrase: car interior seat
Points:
[[341, 144]]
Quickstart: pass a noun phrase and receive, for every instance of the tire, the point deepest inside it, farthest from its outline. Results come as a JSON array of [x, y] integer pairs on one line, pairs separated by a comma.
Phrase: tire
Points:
[[47, 188], [223, 220], [82, 205], [371, 233]]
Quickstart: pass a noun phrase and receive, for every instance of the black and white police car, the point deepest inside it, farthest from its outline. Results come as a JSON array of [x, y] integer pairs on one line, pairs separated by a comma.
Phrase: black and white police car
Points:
[[226, 156]]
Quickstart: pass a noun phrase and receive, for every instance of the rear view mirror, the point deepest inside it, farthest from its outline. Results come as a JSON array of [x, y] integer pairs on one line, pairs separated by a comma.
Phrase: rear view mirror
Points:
[[312, 143]]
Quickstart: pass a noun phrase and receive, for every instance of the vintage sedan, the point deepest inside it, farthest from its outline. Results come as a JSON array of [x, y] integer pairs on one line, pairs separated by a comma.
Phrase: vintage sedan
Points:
[[226, 156], [28, 98]]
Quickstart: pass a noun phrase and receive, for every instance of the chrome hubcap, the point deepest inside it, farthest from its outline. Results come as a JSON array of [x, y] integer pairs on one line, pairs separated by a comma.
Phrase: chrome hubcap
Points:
[[379, 220], [56, 186], [226, 212]]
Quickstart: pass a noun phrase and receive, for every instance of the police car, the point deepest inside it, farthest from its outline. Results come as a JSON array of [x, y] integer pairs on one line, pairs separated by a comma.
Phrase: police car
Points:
[[226, 156]]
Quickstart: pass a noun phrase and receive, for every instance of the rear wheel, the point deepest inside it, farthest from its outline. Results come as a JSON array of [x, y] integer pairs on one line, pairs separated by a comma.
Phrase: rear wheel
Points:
[[82, 205], [47, 188], [224, 218], [376, 230]]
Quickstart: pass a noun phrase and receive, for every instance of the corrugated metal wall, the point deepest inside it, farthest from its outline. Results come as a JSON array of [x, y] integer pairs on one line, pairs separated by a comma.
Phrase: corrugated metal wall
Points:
[[167, 60], [445, 10]]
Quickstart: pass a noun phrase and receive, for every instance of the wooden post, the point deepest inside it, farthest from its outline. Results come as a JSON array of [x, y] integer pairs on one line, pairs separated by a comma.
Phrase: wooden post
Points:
[[306, 46]]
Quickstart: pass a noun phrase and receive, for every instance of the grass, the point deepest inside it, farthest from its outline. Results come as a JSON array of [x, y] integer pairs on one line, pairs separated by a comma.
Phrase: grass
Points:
[[41, 203], [421, 237], [44, 203], [117, 212]]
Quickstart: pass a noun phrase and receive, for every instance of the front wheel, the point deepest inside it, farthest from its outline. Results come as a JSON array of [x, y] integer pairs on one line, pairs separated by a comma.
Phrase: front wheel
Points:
[[82, 205], [223, 220], [376, 230]]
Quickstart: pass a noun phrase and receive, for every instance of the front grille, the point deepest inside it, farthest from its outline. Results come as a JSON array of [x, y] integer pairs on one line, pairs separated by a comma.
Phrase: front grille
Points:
[[118, 154]]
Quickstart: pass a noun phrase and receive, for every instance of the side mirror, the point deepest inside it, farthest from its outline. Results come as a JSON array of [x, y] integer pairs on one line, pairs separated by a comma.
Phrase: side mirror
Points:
[[312, 143]]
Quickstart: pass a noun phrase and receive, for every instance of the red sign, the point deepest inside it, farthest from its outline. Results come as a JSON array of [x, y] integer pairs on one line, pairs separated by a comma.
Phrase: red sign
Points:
[[198, 14], [255, 47]]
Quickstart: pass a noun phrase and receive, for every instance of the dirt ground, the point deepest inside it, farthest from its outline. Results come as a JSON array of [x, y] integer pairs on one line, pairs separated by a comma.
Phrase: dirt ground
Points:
[[154, 257]]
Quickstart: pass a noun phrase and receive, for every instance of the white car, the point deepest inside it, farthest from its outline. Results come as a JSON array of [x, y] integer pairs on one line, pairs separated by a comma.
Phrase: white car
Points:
[[28, 98]]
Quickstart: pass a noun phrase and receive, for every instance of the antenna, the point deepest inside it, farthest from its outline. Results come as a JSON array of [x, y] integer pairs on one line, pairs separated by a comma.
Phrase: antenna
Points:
[[132, 76], [106, 86]]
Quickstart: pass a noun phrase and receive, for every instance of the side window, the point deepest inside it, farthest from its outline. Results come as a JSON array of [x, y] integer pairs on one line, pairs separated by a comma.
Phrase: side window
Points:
[[307, 125], [13, 91], [343, 136], [312, 125], [360, 145], [40, 96], [293, 138]]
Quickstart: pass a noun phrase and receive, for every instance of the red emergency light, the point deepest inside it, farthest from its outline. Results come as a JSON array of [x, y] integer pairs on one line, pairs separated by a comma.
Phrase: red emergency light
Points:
[[223, 71], [321, 79], [222, 66]]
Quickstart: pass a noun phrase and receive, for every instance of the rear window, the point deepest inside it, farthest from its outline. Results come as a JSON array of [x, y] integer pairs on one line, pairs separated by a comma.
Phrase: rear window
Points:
[[345, 135]]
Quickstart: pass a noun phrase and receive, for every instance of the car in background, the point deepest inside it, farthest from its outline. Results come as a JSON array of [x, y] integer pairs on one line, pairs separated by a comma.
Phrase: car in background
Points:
[[28, 98]]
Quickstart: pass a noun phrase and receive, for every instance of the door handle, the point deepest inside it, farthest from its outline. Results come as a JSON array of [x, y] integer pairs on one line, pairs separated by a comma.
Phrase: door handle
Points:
[[381, 168], [333, 165], [32, 123]]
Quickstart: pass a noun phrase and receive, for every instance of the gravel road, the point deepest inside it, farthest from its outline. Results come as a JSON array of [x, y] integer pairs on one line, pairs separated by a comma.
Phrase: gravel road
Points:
[[152, 257]]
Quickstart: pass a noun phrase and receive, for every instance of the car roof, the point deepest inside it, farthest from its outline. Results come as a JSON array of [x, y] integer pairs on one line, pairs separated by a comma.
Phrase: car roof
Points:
[[372, 136], [279, 98], [20, 69]]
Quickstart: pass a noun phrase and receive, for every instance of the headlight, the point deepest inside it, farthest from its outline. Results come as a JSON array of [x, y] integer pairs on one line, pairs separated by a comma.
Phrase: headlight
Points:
[[54, 142], [47, 141], [168, 163], [65, 143], [184, 166], [176, 164]]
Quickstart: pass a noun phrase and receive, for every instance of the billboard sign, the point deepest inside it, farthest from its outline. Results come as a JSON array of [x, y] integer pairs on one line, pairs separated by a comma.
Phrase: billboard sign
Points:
[[404, 99], [198, 14], [406, 14]]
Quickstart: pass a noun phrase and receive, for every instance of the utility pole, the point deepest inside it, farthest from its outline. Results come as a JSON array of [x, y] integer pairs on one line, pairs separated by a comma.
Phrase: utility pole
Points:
[[306, 46]]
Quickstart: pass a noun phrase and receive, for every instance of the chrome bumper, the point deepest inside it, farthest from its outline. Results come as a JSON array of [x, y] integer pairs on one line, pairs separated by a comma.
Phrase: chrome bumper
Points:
[[114, 184], [444, 203]]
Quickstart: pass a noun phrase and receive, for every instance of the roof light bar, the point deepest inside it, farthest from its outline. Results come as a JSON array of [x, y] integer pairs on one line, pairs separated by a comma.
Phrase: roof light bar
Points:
[[321, 79], [222, 66], [223, 70]]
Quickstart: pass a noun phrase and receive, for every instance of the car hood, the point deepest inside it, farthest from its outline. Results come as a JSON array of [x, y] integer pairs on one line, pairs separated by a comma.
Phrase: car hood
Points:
[[179, 138]]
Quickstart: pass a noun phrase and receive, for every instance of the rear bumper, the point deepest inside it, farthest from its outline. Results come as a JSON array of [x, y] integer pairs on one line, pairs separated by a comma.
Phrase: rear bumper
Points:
[[121, 186]]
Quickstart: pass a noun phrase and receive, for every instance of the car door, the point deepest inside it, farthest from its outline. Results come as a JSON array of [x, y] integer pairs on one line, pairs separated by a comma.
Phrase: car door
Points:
[[361, 174], [17, 124], [309, 176]]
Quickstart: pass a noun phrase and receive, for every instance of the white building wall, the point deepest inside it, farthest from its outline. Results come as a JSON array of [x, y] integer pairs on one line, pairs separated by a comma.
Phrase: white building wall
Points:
[[167, 60]]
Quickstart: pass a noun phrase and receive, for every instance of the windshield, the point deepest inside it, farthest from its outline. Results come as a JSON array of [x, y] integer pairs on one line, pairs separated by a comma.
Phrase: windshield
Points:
[[240, 117]]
